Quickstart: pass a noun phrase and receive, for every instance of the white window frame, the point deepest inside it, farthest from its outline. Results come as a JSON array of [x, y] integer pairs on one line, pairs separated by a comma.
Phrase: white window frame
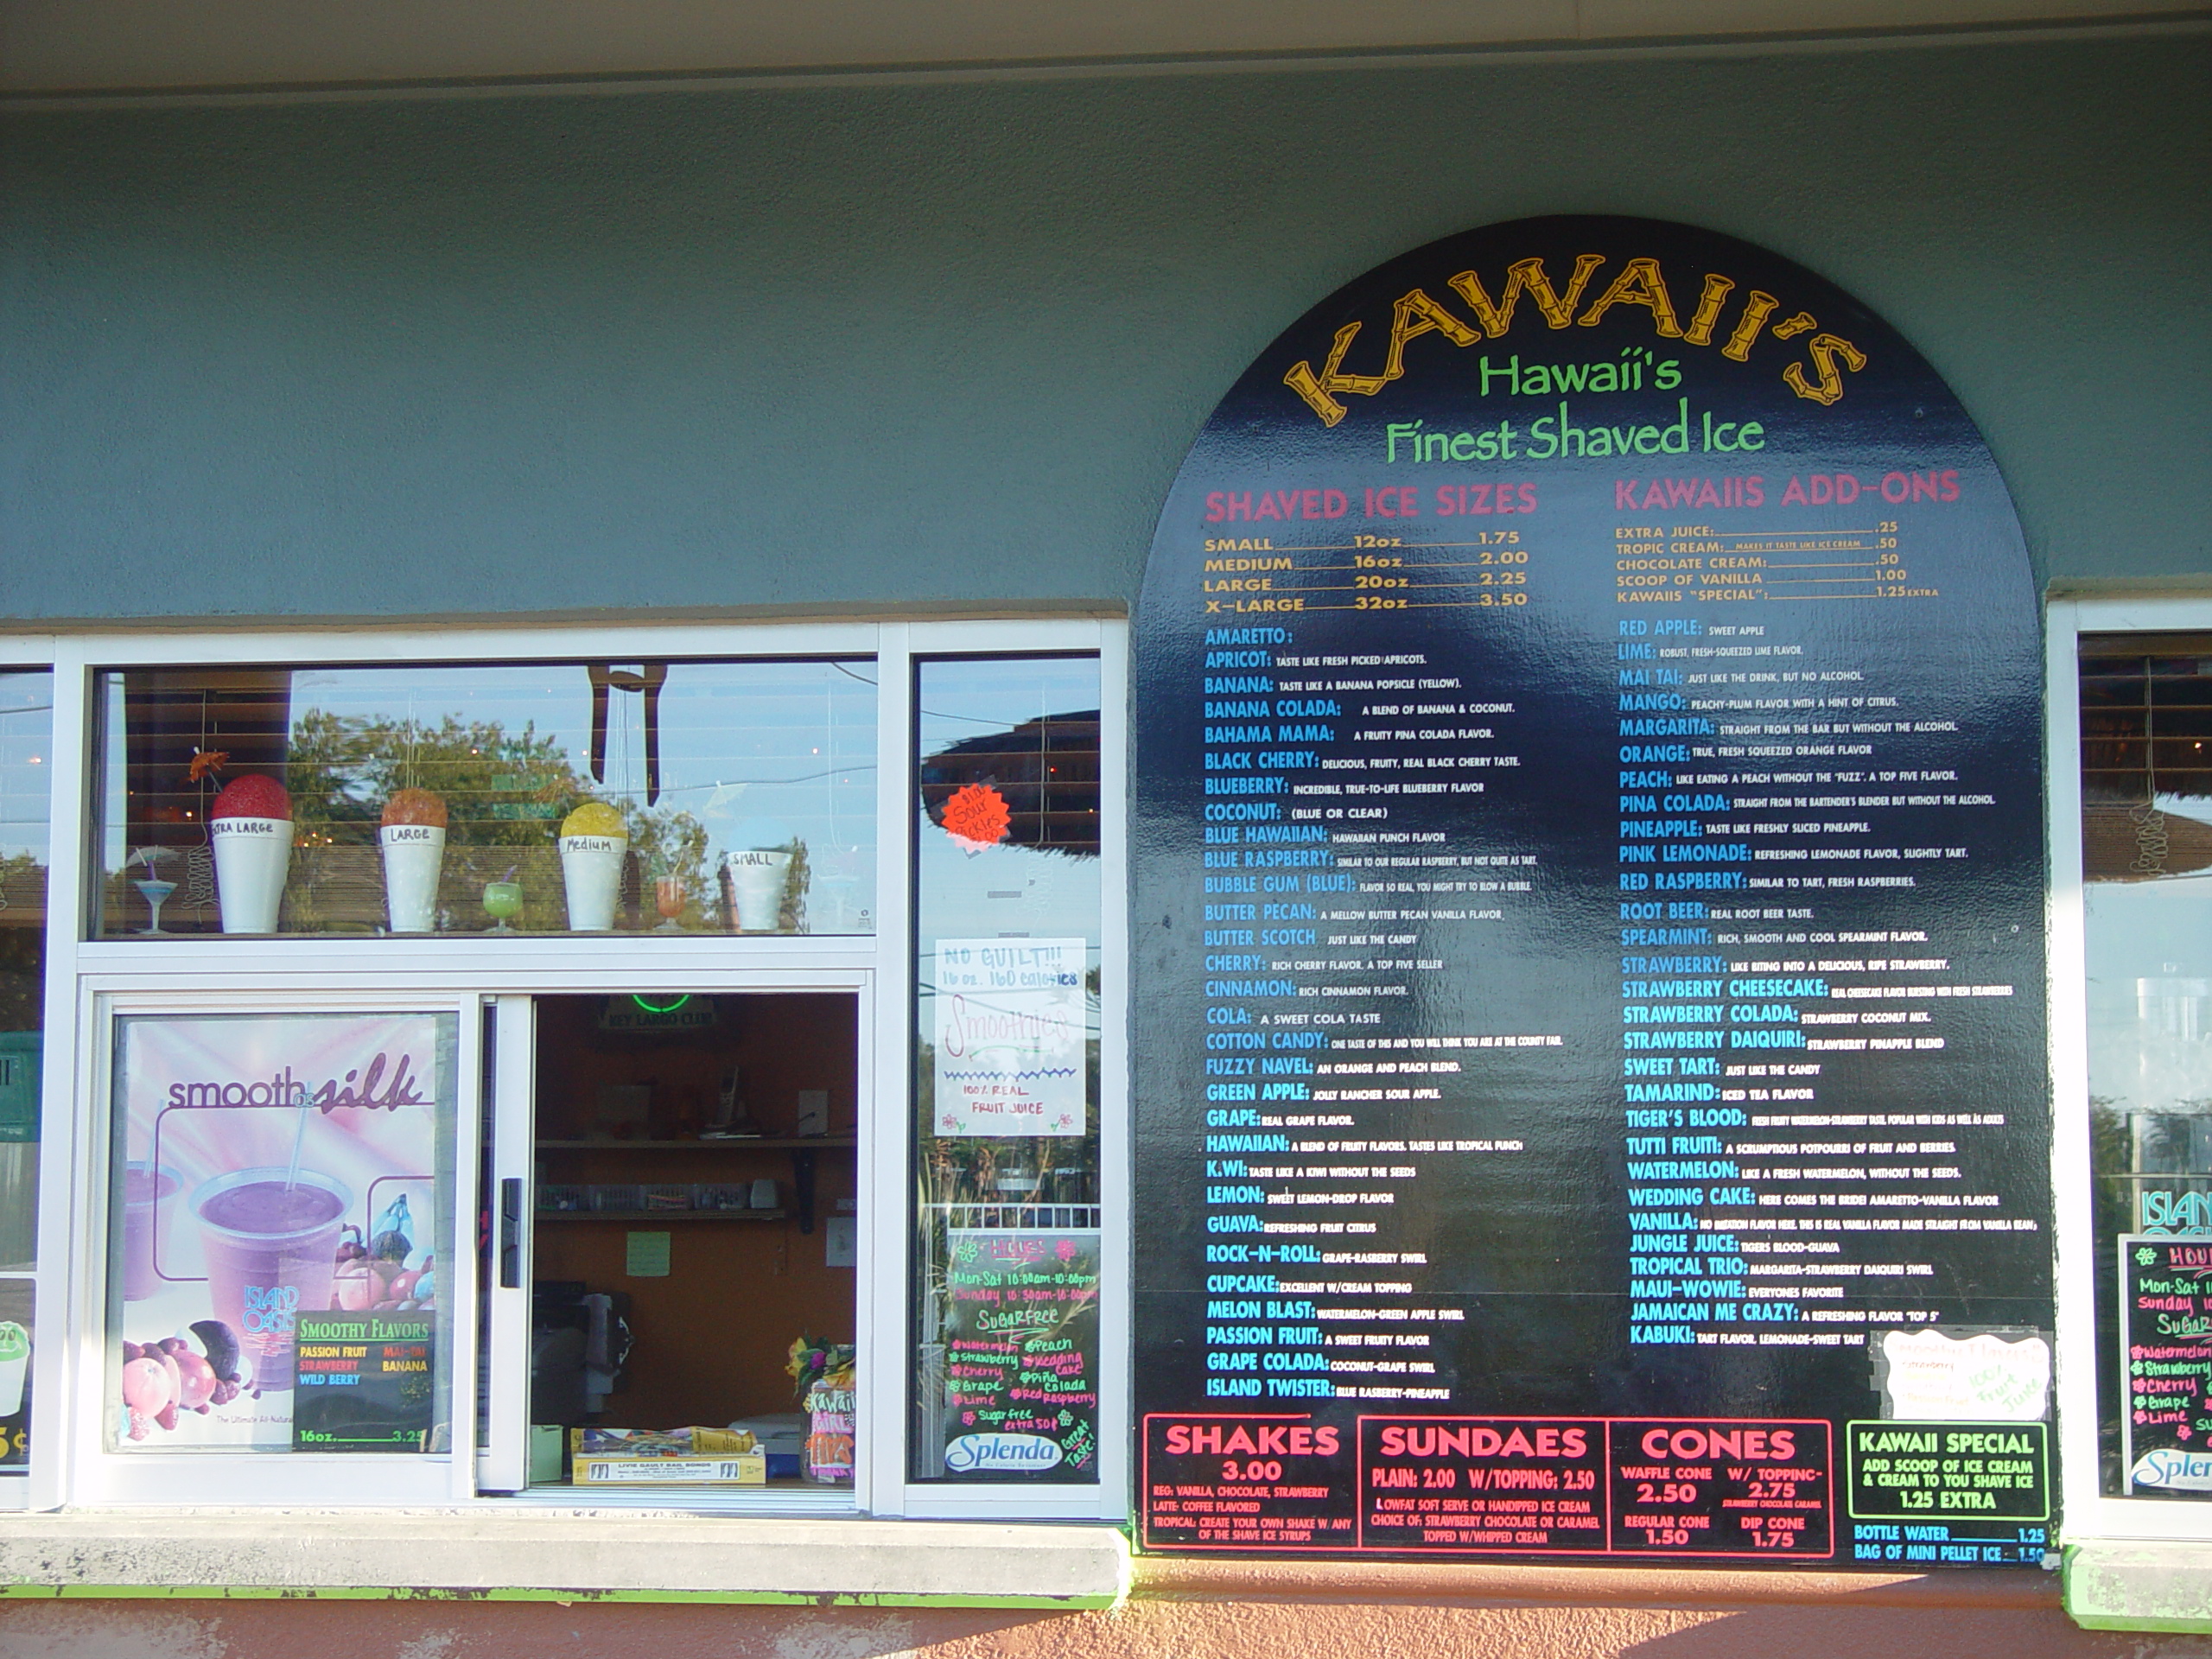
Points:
[[105, 1478], [1108, 1499], [2087, 1512], [88, 981], [17, 653]]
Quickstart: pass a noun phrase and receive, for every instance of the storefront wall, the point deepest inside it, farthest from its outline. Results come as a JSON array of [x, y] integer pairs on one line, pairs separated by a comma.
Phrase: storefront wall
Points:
[[844, 350], [1214, 1617], [945, 344]]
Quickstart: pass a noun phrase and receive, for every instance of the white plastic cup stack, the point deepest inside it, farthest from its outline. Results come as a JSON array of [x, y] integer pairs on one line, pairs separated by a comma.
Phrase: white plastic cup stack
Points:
[[253, 852], [755, 880], [414, 856], [591, 866]]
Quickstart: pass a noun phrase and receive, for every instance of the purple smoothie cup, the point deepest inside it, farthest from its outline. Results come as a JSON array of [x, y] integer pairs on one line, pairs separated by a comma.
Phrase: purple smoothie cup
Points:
[[271, 1252], [146, 1212]]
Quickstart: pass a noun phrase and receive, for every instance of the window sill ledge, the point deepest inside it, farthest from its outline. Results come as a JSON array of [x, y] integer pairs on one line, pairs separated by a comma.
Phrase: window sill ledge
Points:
[[600, 1556], [2140, 1585]]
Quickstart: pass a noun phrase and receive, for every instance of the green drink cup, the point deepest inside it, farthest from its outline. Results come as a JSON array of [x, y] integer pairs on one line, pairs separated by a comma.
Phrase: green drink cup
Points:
[[502, 903]]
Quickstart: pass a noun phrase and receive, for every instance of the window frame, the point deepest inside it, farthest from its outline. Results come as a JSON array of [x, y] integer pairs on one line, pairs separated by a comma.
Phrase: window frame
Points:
[[37, 653], [105, 1478], [88, 979], [2087, 1512], [1108, 1499]]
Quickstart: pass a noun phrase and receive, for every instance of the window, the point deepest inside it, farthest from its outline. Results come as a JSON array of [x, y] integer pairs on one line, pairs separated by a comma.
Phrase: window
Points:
[[26, 751], [381, 1207], [2146, 896], [1008, 927], [2130, 735], [651, 796]]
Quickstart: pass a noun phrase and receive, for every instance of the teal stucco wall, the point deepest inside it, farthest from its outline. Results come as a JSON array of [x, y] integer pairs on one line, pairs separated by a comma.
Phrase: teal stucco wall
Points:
[[945, 343]]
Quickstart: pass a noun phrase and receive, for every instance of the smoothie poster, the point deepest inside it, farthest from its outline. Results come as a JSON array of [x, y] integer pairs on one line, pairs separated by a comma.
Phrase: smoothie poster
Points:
[[1021, 1352], [282, 1216]]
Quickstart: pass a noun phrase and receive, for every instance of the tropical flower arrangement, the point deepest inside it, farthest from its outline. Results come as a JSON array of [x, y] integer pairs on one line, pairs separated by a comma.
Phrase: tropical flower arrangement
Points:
[[813, 1361]]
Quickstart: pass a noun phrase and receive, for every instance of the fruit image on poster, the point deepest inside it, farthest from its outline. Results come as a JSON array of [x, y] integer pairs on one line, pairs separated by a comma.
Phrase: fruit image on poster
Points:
[[281, 1204]]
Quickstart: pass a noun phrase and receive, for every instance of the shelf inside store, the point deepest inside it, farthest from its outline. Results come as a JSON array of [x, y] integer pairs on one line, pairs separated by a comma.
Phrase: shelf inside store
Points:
[[632, 1217], [754, 1143]]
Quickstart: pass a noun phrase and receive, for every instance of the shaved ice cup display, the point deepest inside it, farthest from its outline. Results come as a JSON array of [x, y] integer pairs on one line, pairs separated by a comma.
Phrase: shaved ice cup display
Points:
[[413, 839], [250, 826], [753, 888], [594, 842]]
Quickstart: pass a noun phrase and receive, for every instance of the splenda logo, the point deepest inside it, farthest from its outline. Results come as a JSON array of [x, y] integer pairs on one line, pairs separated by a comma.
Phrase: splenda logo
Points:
[[972, 1453], [2174, 1470]]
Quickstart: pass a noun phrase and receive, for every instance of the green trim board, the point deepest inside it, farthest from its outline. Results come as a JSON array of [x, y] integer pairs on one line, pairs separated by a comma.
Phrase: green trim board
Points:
[[565, 1597], [2156, 1586]]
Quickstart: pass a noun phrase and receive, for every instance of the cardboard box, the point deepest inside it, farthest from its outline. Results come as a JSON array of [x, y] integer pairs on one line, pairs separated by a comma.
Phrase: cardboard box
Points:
[[736, 1469], [782, 1435]]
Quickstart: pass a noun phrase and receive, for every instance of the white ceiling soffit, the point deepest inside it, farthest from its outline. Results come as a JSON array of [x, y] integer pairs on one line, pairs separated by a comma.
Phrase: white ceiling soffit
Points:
[[80, 46]]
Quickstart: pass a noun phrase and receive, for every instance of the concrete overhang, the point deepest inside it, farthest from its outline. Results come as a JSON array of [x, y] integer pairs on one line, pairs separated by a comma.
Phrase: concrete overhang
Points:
[[510, 1554], [75, 48]]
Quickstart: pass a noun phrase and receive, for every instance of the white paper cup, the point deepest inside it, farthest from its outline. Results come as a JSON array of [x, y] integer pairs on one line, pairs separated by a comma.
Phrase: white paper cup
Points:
[[14, 1355], [413, 855], [753, 886], [253, 858], [591, 869]]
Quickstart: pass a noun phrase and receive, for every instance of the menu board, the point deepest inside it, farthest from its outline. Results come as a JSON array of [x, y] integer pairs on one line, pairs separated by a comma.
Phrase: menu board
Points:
[[2166, 1314], [1021, 1352], [364, 1384], [1587, 918]]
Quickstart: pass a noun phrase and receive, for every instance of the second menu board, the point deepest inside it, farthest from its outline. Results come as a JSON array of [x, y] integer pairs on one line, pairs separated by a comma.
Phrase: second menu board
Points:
[[1591, 1085]]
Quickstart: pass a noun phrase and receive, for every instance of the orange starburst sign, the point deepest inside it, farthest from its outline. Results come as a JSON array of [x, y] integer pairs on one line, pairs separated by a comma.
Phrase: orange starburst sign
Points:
[[977, 813]]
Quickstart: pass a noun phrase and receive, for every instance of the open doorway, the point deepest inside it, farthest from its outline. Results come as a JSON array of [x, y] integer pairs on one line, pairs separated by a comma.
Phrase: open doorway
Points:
[[693, 1295]]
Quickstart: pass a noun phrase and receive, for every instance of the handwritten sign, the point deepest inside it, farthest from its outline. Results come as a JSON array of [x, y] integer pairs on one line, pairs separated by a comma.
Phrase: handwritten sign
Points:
[[1010, 1029], [1928, 1377], [2165, 1302], [1021, 1352]]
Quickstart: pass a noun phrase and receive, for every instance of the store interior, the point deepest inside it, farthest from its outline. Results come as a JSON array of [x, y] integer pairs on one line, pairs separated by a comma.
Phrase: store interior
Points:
[[695, 1217]]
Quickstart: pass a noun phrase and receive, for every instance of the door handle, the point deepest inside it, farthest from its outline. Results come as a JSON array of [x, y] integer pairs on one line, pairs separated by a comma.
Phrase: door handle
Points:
[[510, 1233]]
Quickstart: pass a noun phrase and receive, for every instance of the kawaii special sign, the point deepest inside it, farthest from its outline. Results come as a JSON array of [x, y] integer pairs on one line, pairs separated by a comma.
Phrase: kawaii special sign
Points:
[[271, 1167]]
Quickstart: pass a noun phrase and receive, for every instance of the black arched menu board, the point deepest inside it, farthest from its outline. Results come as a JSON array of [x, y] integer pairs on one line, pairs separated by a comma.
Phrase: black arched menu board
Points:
[[1590, 1088]]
